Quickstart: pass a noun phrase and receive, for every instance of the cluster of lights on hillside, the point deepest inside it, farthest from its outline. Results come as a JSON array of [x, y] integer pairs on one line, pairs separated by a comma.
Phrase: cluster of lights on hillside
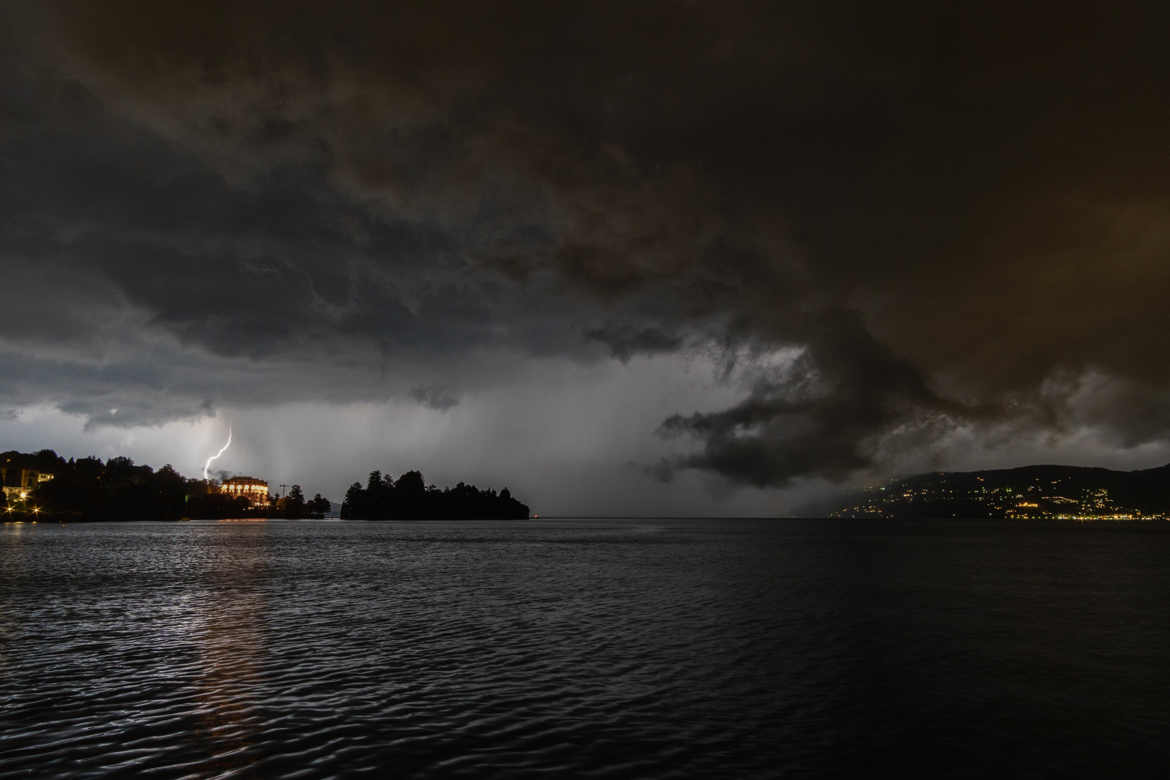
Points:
[[1035, 501]]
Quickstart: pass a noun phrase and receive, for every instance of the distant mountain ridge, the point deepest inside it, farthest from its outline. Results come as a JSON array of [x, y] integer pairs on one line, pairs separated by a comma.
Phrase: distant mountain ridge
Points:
[[1026, 492]]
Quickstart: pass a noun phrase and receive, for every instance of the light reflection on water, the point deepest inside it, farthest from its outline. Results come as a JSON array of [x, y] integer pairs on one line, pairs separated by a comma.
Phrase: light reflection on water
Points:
[[230, 638], [651, 648]]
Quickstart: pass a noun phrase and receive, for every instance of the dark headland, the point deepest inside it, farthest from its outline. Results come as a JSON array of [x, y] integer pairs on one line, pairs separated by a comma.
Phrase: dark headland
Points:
[[1026, 493], [45, 486]]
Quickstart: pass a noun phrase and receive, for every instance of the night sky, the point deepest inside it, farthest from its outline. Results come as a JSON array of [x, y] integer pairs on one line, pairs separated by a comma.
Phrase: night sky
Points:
[[681, 258]]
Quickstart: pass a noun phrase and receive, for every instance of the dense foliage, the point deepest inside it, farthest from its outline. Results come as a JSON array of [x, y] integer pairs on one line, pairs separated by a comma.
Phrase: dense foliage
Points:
[[409, 498], [88, 489]]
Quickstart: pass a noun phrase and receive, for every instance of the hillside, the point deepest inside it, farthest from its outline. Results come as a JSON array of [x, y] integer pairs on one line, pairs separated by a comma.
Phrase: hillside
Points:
[[1029, 492]]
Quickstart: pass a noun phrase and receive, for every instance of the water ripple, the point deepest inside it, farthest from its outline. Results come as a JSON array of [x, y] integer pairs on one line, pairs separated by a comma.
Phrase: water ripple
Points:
[[671, 649]]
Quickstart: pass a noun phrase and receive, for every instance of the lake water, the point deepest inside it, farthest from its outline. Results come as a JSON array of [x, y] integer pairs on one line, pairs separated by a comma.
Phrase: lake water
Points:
[[605, 648]]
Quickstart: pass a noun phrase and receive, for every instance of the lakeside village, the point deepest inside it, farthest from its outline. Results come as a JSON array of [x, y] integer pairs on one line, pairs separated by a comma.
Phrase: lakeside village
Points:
[[44, 486], [1029, 493]]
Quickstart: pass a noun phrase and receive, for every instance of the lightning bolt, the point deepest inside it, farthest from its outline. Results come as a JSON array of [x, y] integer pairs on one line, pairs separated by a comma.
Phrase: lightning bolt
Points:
[[222, 450]]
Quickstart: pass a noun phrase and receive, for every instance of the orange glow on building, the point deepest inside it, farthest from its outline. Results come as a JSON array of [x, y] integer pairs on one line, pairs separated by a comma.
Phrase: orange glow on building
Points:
[[255, 490]]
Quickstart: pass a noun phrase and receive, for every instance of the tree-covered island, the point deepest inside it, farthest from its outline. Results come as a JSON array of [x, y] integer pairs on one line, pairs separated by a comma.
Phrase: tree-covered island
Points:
[[409, 498]]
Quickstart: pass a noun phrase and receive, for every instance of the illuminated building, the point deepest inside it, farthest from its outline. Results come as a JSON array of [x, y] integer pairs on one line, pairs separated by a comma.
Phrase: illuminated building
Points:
[[255, 490]]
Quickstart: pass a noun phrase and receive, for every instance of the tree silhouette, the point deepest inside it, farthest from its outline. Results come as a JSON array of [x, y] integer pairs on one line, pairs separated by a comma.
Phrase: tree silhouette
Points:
[[410, 499], [319, 506], [88, 489]]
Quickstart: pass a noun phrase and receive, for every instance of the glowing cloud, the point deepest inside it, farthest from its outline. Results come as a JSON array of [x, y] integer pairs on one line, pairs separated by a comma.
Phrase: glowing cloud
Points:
[[222, 450]]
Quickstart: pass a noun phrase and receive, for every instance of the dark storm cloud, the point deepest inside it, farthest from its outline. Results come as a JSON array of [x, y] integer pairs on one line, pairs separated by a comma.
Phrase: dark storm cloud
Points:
[[958, 215], [435, 397], [625, 341], [824, 418]]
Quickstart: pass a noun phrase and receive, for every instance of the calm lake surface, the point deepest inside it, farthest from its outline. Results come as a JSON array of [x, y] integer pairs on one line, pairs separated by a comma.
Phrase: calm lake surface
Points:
[[608, 648]]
